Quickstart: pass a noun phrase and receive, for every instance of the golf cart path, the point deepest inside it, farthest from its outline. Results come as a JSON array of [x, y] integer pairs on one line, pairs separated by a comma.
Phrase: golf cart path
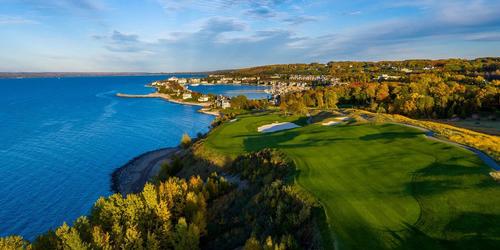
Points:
[[432, 136]]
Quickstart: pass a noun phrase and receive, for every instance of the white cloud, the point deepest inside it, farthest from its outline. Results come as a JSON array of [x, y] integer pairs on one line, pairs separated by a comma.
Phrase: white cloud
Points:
[[14, 20]]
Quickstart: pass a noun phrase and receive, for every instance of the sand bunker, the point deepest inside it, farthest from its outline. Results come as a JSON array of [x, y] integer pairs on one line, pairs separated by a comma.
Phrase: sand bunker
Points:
[[330, 123], [342, 118], [336, 120], [273, 127]]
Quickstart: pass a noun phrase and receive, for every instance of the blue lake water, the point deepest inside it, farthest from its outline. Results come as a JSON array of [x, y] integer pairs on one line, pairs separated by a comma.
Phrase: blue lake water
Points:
[[60, 139], [252, 92]]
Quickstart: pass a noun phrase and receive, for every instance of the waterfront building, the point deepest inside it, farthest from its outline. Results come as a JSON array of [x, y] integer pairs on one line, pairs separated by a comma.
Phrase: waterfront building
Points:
[[203, 99]]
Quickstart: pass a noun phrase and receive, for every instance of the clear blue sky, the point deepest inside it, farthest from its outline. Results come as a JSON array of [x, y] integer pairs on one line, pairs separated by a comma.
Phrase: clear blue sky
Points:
[[191, 35]]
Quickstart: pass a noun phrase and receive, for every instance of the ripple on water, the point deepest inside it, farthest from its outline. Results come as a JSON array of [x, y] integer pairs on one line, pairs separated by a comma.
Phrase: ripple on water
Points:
[[60, 141]]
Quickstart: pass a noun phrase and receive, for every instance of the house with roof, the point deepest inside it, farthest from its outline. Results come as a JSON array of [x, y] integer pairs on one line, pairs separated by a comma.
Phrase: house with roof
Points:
[[203, 98]]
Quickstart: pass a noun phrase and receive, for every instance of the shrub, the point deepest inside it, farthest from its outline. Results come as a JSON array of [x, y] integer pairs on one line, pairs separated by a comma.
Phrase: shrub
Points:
[[185, 141], [263, 166]]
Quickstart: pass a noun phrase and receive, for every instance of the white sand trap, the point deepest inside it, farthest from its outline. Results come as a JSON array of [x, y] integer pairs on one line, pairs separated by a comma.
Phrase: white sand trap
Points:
[[233, 120], [330, 123], [342, 118], [273, 127]]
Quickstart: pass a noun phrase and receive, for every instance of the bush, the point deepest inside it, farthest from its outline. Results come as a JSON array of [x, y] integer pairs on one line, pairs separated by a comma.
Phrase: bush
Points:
[[263, 166], [185, 141], [170, 169], [13, 243]]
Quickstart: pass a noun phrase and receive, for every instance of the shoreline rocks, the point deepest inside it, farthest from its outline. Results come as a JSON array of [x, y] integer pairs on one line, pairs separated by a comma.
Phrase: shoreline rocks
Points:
[[131, 177]]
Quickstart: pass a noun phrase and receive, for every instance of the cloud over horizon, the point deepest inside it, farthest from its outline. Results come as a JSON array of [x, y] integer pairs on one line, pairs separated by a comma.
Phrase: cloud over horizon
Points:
[[191, 35]]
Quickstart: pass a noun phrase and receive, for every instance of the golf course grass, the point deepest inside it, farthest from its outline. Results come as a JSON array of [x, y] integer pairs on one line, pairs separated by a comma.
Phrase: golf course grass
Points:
[[382, 186]]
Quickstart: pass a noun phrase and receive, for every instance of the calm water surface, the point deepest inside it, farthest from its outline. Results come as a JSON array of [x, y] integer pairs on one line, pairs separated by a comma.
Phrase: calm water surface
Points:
[[252, 92], [60, 139]]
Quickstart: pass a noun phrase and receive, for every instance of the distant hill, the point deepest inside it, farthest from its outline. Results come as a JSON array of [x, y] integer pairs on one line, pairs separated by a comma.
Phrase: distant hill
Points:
[[345, 69], [81, 74]]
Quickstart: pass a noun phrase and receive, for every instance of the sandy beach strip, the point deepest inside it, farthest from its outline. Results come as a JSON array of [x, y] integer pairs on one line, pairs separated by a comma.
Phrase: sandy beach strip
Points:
[[131, 177], [209, 112]]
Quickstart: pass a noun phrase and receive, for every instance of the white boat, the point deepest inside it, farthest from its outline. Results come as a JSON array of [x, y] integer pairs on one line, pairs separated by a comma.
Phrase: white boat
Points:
[[195, 84]]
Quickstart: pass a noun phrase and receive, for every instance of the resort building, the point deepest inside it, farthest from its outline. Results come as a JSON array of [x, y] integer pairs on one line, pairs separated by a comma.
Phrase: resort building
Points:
[[203, 99], [186, 96], [194, 80], [222, 102], [225, 104]]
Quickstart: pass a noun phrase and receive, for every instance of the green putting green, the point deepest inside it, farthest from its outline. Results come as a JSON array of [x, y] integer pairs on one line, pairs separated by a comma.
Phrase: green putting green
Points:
[[383, 186]]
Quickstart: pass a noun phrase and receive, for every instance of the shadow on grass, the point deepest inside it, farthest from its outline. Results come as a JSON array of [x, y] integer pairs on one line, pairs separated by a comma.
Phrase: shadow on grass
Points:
[[439, 178], [268, 140], [327, 238], [467, 231], [282, 140], [478, 230], [390, 136]]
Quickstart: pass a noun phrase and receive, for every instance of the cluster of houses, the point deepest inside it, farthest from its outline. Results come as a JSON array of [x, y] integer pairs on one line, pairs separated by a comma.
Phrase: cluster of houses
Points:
[[306, 78], [221, 79], [187, 80], [388, 77], [282, 88], [280, 85], [180, 89]]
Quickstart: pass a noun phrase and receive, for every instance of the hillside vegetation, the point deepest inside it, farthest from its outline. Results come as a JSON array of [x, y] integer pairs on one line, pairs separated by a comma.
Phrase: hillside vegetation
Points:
[[382, 186]]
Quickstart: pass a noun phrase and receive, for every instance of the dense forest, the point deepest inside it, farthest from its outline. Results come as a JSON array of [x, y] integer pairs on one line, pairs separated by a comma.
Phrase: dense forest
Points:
[[427, 96], [416, 88], [263, 210], [462, 70]]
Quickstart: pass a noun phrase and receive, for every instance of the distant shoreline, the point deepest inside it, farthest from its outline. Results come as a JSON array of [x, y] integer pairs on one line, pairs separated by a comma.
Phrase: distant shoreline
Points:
[[166, 97], [21, 75]]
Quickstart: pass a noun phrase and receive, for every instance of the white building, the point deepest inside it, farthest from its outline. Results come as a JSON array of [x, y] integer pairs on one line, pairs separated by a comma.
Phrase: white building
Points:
[[186, 96], [222, 102], [194, 80], [203, 99], [173, 79], [225, 104]]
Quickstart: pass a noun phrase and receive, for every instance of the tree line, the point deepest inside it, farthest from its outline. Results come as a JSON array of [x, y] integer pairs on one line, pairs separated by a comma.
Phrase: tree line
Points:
[[465, 71], [426, 96]]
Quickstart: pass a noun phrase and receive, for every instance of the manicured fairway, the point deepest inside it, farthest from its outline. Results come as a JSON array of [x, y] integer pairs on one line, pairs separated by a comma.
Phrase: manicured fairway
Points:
[[383, 186]]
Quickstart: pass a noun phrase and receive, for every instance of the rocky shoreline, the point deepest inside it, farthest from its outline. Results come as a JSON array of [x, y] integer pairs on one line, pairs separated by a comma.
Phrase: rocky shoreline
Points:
[[131, 177]]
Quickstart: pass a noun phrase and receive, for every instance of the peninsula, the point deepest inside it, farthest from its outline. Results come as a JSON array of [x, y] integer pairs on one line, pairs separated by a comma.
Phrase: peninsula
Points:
[[176, 91]]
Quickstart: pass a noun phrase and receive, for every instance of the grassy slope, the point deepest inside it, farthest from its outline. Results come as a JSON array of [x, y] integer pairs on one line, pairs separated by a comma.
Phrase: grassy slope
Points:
[[484, 126], [383, 186]]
